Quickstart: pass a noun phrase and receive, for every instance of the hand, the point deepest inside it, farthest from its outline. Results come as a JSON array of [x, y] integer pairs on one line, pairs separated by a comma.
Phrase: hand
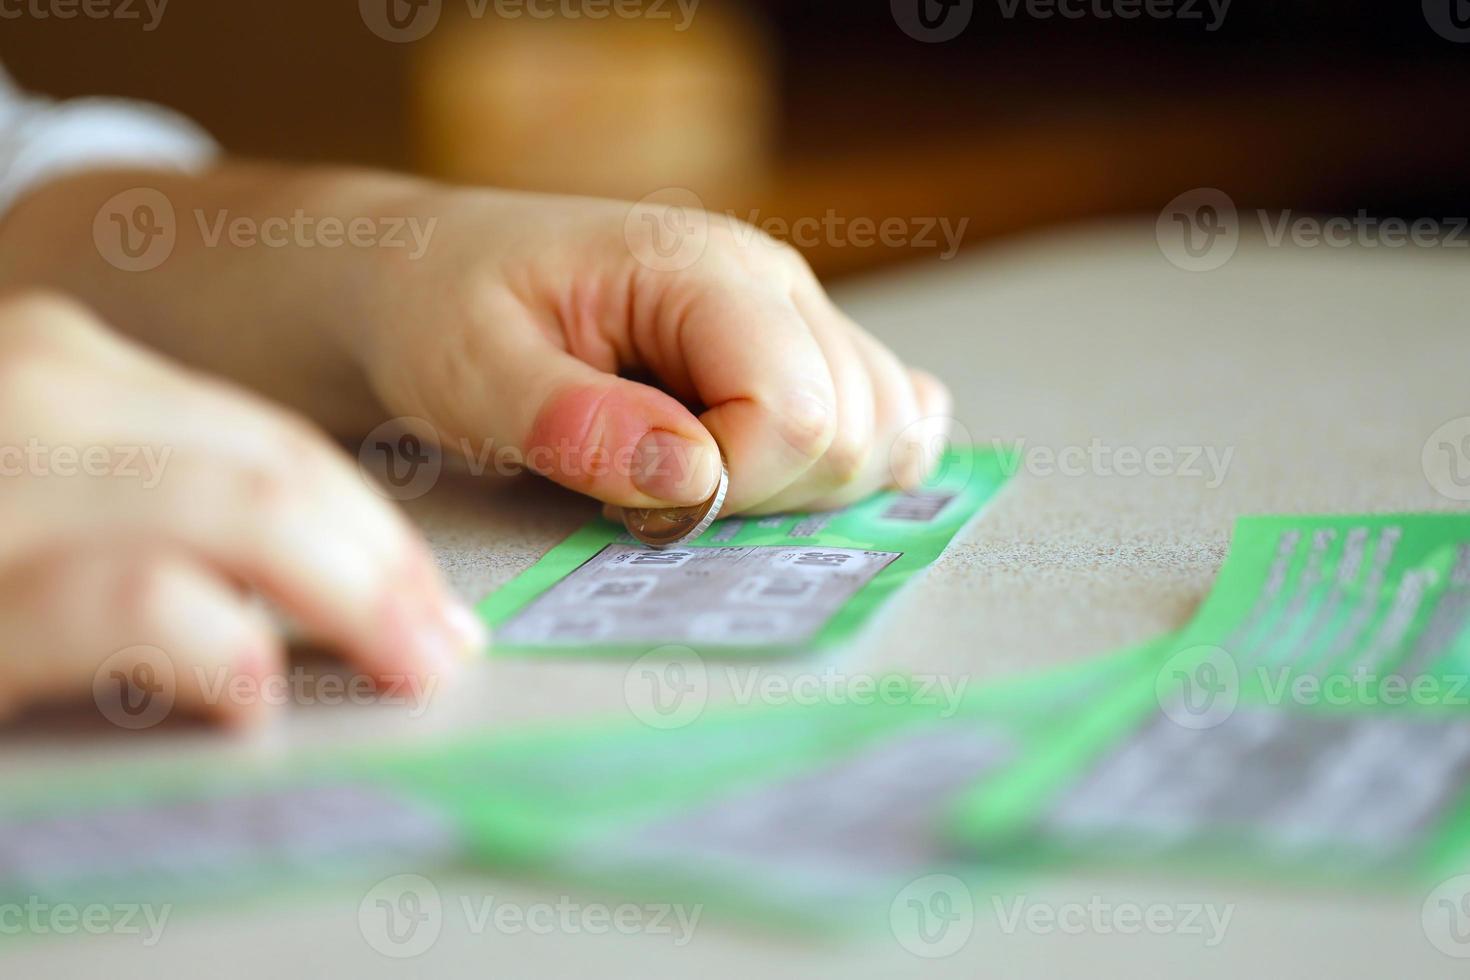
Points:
[[507, 326], [142, 505], [514, 327]]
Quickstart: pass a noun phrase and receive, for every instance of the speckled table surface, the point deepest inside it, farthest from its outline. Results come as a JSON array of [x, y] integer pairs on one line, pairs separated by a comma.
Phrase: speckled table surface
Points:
[[1288, 380]]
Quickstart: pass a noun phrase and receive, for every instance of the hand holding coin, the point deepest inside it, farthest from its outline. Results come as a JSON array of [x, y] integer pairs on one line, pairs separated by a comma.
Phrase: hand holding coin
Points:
[[669, 527]]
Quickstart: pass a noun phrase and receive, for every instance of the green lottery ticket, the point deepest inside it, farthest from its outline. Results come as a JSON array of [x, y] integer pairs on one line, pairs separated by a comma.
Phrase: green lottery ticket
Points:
[[746, 587], [833, 816], [813, 805], [1313, 717]]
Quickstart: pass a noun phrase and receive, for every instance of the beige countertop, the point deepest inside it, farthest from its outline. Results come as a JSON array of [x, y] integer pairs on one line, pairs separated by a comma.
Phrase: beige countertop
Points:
[[1289, 380]]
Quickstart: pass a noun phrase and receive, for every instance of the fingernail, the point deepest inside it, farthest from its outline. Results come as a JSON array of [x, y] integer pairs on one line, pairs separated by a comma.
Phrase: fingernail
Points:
[[436, 649], [467, 628], [670, 468]]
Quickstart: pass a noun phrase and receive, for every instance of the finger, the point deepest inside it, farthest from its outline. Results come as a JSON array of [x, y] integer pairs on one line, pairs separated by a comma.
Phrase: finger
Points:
[[575, 422], [751, 359], [936, 407], [896, 410], [277, 507], [77, 625], [852, 444]]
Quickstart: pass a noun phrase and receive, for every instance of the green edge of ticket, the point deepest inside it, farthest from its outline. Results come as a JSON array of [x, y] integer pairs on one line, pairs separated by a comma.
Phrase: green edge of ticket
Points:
[[803, 581], [1343, 641]]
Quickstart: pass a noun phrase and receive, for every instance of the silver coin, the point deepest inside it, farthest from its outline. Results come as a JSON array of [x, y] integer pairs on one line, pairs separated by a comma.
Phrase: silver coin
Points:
[[669, 527]]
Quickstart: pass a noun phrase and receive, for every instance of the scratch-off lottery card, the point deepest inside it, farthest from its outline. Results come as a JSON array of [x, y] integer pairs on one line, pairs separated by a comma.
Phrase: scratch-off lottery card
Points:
[[754, 587]]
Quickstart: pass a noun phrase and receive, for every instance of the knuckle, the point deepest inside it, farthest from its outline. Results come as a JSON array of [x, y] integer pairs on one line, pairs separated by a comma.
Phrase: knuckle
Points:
[[809, 436], [269, 490], [259, 490], [847, 456], [145, 589]]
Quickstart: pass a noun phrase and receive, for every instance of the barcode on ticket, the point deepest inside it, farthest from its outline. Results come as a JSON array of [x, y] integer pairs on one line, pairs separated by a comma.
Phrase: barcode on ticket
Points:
[[918, 507]]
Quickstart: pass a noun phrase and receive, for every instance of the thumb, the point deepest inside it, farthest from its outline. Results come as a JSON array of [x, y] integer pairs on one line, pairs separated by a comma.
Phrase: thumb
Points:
[[619, 441], [622, 442]]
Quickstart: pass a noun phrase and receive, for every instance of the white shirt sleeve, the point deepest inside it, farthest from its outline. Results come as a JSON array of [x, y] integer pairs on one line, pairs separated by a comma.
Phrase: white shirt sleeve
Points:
[[42, 139]]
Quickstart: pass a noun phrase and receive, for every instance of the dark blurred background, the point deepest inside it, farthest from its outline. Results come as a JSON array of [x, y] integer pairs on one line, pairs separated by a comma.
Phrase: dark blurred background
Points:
[[781, 110]]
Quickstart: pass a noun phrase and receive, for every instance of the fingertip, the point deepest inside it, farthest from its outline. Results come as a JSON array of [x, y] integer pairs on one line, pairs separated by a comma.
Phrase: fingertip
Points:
[[624, 443], [676, 470], [467, 628], [933, 394]]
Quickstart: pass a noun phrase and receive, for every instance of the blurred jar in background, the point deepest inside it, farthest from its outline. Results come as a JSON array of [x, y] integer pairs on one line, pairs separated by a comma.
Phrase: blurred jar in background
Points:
[[618, 106]]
